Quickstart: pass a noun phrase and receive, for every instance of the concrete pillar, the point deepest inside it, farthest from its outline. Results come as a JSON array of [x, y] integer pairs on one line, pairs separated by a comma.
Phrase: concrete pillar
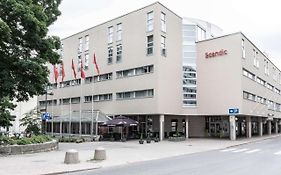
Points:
[[232, 127], [260, 126], [276, 126], [161, 128], [61, 128], [249, 126], [269, 127], [186, 127]]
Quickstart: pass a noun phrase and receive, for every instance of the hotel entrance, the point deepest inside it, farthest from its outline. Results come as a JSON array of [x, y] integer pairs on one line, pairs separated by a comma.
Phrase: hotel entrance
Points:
[[217, 126]]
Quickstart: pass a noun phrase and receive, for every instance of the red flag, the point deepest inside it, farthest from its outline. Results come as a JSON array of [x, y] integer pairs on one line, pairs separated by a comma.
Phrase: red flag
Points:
[[73, 68], [62, 72], [96, 65], [82, 70], [56, 73]]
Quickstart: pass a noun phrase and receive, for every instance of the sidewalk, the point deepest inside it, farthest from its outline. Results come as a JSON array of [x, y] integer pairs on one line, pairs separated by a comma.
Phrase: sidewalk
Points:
[[118, 153]]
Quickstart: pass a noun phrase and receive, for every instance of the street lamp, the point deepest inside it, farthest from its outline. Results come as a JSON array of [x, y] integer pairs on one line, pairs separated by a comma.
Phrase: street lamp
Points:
[[44, 126]]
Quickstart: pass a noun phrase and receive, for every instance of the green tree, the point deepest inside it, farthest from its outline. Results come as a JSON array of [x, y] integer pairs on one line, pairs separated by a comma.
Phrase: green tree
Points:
[[5, 115], [25, 47], [32, 122]]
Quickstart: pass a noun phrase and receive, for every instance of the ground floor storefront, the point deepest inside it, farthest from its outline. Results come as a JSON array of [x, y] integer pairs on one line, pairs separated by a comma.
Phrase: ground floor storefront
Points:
[[165, 126]]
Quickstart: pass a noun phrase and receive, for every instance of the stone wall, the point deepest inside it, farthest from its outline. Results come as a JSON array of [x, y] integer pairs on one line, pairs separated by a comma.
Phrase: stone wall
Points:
[[30, 148]]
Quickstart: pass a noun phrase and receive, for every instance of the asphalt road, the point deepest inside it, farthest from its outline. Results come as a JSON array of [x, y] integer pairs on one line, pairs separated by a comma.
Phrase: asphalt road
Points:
[[261, 158]]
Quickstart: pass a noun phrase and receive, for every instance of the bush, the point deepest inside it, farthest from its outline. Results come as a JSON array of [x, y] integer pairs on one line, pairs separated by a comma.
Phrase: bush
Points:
[[5, 140], [71, 139], [33, 140]]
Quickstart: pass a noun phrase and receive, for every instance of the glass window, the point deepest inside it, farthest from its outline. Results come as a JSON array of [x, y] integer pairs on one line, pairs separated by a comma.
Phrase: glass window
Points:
[[149, 21], [243, 49], [163, 22], [87, 39], [149, 49], [110, 34], [119, 53], [86, 66], [119, 32], [163, 45], [79, 62], [80, 45], [110, 55]]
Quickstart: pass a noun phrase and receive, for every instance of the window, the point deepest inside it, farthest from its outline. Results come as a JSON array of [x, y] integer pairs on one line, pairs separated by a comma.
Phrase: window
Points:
[[135, 94], [249, 96], [87, 39], [201, 34], [79, 62], [110, 34], [256, 61], [270, 105], [119, 32], [260, 81], [163, 45], [149, 49], [110, 55], [119, 53], [269, 86], [243, 49], [80, 45], [88, 99], [274, 73], [174, 125], [102, 97], [86, 65], [134, 71], [277, 90], [75, 100], [163, 22], [149, 21], [248, 74], [98, 78], [266, 69], [66, 101]]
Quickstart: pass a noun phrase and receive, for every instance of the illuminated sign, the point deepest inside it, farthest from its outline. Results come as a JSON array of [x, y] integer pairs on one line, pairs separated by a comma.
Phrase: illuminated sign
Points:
[[215, 54]]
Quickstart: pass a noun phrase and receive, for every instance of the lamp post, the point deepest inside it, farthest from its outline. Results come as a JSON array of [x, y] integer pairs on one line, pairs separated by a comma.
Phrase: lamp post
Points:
[[44, 127]]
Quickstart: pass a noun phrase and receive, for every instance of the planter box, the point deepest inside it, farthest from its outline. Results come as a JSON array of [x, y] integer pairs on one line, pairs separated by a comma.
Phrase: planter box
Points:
[[176, 139]]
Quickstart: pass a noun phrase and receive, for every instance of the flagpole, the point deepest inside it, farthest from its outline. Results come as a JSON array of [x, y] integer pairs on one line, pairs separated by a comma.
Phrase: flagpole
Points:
[[80, 114]]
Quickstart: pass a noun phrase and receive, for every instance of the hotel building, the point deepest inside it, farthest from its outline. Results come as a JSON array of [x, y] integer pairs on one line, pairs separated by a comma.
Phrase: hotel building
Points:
[[151, 70]]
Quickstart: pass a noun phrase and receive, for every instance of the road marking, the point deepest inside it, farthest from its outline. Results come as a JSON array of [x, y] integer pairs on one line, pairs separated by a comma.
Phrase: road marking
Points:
[[252, 151], [240, 150], [227, 150], [278, 153]]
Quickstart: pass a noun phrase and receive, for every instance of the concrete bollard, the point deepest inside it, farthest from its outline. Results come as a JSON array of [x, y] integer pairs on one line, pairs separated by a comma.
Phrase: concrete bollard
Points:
[[100, 154], [71, 157]]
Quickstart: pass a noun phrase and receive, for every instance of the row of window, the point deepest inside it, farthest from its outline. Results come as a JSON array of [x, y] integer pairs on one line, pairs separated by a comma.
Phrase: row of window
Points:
[[256, 63], [148, 93], [150, 45], [134, 71], [259, 80], [118, 54], [110, 33], [150, 21], [270, 104]]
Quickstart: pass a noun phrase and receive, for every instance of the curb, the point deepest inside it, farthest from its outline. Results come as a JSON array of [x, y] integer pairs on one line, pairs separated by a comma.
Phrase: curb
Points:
[[72, 171]]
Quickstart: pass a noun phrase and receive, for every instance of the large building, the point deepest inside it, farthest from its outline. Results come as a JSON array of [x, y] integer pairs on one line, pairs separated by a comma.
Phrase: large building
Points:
[[150, 71]]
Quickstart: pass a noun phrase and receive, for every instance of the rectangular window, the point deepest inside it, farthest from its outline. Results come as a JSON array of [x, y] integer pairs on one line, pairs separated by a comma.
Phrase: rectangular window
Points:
[[102, 97], [110, 34], [261, 81], [86, 65], [149, 21], [119, 53], [249, 96], [243, 49], [110, 55], [163, 45], [80, 45], [75, 100], [149, 49], [87, 39], [277, 90], [119, 32], [66, 101], [274, 73], [266, 68], [98, 78], [269, 86], [135, 94], [88, 99], [134, 71], [249, 74], [163, 22], [79, 62]]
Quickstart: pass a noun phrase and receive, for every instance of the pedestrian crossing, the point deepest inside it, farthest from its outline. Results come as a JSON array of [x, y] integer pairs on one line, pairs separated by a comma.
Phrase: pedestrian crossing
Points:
[[249, 151]]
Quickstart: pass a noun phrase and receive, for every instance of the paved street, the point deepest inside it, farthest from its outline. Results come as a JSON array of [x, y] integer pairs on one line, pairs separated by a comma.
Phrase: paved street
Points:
[[258, 158]]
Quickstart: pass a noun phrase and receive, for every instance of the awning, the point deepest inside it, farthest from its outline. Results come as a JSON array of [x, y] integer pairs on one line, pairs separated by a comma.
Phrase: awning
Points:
[[86, 116], [120, 121]]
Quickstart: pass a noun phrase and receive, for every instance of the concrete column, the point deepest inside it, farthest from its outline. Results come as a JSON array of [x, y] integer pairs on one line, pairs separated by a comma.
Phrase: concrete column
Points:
[[232, 127], [269, 127], [260, 126], [186, 127], [276, 126], [249, 126], [61, 128], [161, 128]]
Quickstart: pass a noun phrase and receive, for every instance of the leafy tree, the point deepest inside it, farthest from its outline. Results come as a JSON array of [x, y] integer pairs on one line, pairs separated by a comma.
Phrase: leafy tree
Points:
[[32, 122], [25, 47], [5, 116]]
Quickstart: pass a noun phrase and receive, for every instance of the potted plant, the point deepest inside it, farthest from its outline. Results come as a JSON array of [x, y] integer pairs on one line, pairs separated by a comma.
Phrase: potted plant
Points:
[[141, 140], [148, 139]]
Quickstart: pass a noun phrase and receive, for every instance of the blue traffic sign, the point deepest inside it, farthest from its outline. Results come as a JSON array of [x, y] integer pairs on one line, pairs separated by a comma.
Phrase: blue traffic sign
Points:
[[46, 116], [233, 111]]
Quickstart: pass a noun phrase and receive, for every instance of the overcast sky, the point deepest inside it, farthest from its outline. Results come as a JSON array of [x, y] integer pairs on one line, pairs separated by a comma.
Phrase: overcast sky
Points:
[[259, 20]]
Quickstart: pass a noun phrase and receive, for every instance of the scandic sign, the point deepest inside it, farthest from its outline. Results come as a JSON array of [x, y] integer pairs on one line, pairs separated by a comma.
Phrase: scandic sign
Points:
[[215, 54]]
